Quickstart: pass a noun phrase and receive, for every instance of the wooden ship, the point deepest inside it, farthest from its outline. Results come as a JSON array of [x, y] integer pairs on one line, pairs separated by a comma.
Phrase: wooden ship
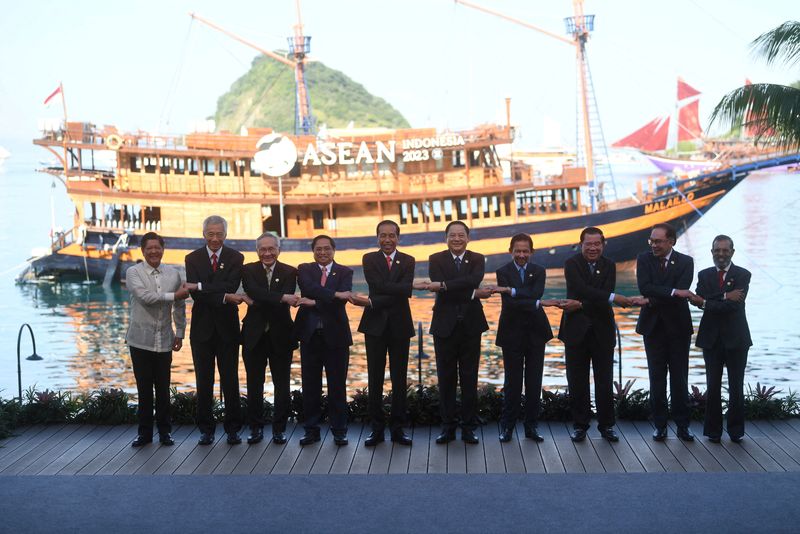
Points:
[[341, 183]]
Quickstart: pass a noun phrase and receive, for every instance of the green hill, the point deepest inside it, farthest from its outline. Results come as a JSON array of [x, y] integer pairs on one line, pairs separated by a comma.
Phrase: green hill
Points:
[[265, 96]]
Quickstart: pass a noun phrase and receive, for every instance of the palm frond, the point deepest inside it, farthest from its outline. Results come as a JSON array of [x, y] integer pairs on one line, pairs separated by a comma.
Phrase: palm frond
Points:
[[779, 44], [771, 111]]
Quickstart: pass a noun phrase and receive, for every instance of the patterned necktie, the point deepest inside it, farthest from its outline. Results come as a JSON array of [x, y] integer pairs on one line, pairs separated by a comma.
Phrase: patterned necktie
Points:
[[721, 275], [214, 262], [324, 277], [663, 265], [269, 276], [592, 267], [389, 262], [457, 261]]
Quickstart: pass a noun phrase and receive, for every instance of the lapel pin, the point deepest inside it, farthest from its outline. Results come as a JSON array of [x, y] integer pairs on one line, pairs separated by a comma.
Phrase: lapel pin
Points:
[[466, 261], [672, 262], [530, 275], [333, 274], [221, 266], [397, 262], [277, 280]]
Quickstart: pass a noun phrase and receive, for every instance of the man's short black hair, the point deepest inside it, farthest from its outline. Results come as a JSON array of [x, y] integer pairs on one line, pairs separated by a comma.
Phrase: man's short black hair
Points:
[[520, 237], [722, 237], [387, 221], [668, 229], [149, 236], [462, 223], [323, 236], [593, 230]]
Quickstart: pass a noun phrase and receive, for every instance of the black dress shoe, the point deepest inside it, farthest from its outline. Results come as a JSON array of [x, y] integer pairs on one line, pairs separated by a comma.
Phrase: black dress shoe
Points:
[[141, 441], [446, 437], [206, 438], [660, 434], [375, 437], [309, 438], [579, 434], [714, 439], [256, 435], [340, 440], [400, 437], [166, 439], [737, 439], [685, 434], [531, 432], [233, 438], [609, 434], [468, 436], [279, 438], [505, 434]]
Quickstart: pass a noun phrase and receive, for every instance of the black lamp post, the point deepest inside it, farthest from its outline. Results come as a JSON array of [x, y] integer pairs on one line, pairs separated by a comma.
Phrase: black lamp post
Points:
[[32, 357]]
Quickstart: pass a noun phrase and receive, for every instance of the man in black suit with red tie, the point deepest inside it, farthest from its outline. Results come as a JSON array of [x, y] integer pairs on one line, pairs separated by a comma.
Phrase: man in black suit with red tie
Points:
[[522, 332], [724, 337], [213, 274], [266, 330], [664, 276], [387, 326], [457, 324], [323, 329], [589, 335]]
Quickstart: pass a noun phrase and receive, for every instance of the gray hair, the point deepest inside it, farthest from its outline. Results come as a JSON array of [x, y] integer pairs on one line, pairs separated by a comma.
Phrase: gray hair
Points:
[[215, 219], [265, 235]]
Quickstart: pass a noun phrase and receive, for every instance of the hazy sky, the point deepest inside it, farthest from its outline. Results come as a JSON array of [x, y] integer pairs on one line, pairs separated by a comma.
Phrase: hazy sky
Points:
[[146, 65]]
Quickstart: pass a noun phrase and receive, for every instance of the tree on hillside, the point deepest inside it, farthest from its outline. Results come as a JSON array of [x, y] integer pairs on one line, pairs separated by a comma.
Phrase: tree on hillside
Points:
[[771, 111]]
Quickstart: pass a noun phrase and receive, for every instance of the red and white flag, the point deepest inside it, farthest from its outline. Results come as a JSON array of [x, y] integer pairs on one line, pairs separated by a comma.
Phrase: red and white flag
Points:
[[52, 95]]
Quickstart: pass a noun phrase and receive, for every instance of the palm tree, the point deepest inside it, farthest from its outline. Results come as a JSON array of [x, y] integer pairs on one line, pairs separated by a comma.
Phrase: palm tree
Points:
[[772, 111]]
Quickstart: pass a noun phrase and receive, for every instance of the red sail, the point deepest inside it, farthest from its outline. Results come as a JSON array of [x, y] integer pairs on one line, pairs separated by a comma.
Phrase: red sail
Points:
[[651, 136], [685, 90], [689, 122]]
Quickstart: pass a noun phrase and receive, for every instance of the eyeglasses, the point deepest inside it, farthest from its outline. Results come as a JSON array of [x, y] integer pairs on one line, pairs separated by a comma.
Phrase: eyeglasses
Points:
[[652, 242]]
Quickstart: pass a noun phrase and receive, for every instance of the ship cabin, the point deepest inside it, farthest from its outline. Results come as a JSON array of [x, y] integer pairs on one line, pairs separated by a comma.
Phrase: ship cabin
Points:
[[341, 184]]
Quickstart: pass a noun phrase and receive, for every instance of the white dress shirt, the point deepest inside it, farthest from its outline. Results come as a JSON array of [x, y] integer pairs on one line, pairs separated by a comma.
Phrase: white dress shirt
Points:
[[154, 308]]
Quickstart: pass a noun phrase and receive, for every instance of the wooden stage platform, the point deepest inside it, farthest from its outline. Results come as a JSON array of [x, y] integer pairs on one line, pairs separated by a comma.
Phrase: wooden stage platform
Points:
[[769, 446]]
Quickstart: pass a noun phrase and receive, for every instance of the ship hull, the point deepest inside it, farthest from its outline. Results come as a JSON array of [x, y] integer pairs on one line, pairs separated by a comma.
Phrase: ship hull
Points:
[[680, 165], [626, 230]]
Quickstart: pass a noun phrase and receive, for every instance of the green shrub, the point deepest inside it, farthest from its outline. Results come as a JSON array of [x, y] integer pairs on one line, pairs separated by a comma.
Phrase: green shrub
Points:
[[106, 407], [42, 407], [555, 406]]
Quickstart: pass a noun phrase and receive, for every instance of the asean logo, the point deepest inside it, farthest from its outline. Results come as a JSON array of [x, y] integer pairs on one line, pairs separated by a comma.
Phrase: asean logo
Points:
[[276, 155]]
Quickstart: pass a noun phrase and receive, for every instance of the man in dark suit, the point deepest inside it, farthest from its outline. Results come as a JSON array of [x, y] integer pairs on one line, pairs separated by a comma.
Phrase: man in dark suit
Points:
[[323, 329], [457, 325], [724, 337], [387, 326], [589, 335], [664, 276], [266, 330], [522, 332], [213, 274]]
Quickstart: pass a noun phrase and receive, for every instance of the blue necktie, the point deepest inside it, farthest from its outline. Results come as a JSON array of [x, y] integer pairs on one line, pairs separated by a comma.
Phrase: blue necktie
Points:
[[522, 274], [458, 263]]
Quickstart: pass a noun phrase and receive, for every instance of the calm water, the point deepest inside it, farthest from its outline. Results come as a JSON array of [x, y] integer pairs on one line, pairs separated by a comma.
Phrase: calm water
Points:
[[80, 329]]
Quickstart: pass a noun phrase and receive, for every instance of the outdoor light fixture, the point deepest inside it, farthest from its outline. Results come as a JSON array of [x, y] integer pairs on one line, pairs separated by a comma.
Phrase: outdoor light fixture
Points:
[[33, 357]]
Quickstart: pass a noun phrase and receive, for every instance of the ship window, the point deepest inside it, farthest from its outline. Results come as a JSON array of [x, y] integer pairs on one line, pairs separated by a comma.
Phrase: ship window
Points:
[[318, 216], [485, 207], [403, 213], [507, 202], [225, 167], [496, 205], [474, 157], [164, 164], [437, 210], [178, 165], [150, 164], [208, 166], [448, 209], [414, 213], [192, 166], [136, 164], [439, 163], [473, 204], [426, 211], [461, 206], [458, 158]]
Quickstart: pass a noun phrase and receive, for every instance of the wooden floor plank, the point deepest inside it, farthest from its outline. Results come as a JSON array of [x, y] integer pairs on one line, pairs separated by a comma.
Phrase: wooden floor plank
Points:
[[115, 447], [18, 437], [607, 454], [182, 450], [418, 461], [790, 447], [124, 453], [631, 437], [42, 450], [706, 456], [437, 455], [29, 445], [198, 455], [588, 455], [777, 454], [380, 458], [531, 456], [288, 453], [566, 448], [551, 459], [755, 453], [401, 456], [457, 456], [362, 458], [658, 448], [234, 456], [144, 456], [273, 452], [308, 454], [344, 456], [163, 453], [627, 457], [54, 453], [493, 452], [476, 454], [732, 459], [512, 455], [73, 452], [327, 454], [93, 451]]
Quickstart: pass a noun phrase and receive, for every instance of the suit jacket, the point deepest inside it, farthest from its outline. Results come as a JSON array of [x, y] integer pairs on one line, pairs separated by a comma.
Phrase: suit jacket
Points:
[[209, 313], [521, 323], [593, 290], [657, 286], [268, 308], [329, 311], [457, 301], [389, 291], [723, 319]]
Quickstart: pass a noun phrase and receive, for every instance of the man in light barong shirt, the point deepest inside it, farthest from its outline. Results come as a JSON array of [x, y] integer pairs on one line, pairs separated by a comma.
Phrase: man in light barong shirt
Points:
[[157, 299]]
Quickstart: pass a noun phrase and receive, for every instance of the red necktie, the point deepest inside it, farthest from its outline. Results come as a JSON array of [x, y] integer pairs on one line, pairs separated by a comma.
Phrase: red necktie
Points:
[[324, 277], [214, 262], [389, 262], [663, 264], [721, 275]]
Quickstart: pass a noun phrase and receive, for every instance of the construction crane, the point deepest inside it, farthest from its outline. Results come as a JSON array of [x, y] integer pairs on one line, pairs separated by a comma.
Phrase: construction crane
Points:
[[299, 48], [590, 133]]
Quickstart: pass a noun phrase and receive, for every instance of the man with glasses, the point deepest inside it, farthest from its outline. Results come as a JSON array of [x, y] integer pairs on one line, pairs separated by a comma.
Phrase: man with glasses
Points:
[[664, 276]]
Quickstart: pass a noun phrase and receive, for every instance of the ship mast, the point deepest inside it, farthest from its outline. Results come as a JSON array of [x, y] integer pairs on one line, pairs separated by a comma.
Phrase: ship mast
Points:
[[579, 27], [299, 47]]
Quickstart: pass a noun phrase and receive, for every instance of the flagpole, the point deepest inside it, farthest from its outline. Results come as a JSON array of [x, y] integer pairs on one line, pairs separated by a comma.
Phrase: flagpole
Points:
[[66, 164]]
